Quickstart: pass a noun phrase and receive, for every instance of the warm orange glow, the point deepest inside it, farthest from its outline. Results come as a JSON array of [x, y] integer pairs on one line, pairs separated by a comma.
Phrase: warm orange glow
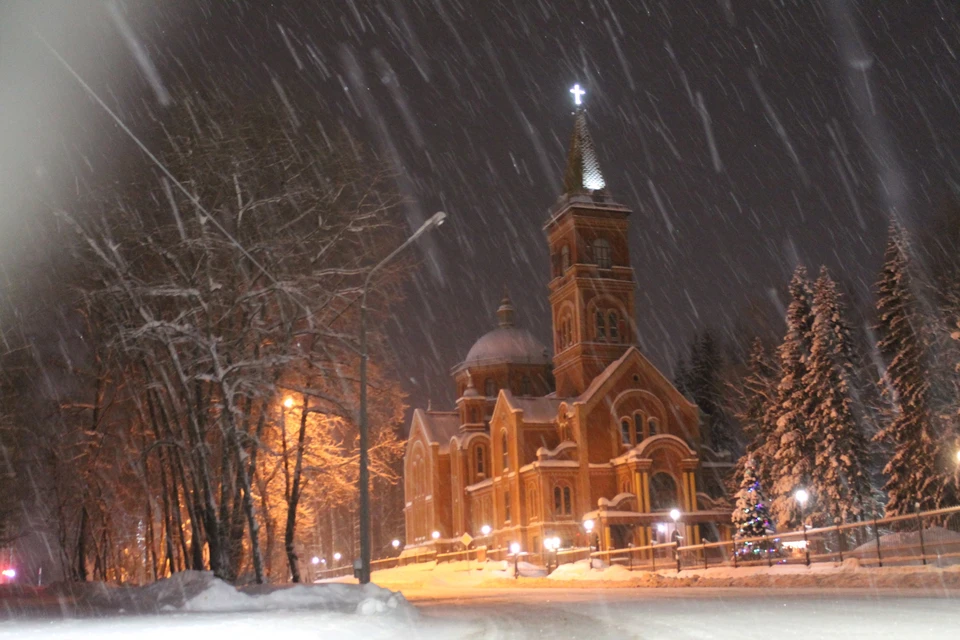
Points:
[[288, 402]]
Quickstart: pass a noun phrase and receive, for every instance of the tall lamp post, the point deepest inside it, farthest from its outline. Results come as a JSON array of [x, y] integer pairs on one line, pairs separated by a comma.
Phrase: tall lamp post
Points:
[[802, 496], [364, 477]]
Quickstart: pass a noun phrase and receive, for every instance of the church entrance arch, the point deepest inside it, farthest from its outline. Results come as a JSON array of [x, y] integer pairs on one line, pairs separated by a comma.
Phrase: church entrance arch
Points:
[[663, 492]]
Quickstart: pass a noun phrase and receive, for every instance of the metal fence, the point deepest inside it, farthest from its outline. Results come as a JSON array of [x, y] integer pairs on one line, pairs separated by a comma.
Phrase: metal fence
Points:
[[931, 537]]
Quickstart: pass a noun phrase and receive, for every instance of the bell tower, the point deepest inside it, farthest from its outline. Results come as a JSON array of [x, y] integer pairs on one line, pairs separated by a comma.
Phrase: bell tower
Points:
[[592, 284]]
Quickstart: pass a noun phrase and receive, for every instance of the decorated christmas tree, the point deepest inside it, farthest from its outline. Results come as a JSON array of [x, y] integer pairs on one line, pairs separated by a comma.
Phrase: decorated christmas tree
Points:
[[751, 516]]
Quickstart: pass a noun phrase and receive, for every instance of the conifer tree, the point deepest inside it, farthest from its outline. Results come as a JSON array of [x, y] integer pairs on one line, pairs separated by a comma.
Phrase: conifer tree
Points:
[[839, 476], [706, 388], [751, 515], [909, 429], [792, 460], [757, 392]]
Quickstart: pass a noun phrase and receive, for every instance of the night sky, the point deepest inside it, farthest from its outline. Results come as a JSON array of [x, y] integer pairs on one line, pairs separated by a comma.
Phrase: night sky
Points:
[[745, 136]]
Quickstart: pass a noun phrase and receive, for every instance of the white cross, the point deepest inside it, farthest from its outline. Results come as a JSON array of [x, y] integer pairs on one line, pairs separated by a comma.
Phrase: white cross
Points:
[[577, 94]]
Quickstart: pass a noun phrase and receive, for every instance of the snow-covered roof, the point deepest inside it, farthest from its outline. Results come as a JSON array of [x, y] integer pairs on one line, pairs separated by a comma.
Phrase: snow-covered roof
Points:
[[440, 426], [506, 345], [541, 410]]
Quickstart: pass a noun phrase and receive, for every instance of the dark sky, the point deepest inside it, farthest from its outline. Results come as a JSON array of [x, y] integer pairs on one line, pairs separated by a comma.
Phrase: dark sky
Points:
[[745, 136]]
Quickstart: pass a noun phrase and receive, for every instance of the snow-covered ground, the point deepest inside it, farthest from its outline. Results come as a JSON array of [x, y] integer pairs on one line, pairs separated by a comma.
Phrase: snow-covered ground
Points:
[[471, 601]]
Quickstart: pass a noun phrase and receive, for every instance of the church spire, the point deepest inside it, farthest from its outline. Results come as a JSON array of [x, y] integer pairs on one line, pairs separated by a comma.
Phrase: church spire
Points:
[[583, 168]]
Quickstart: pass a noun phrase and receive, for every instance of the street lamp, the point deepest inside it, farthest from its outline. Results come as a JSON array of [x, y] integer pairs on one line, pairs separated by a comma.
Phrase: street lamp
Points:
[[395, 543], [552, 544], [588, 527], [485, 530], [435, 535], [515, 550], [288, 402], [315, 560], [802, 496], [336, 557], [364, 476]]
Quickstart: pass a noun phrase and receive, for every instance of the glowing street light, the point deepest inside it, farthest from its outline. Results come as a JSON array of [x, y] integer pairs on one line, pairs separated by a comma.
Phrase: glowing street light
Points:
[[675, 514], [363, 476], [395, 543], [337, 556], [588, 525], [802, 496], [435, 535], [485, 529], [288, 402], [515, 551], [9, 573], [315, 560]]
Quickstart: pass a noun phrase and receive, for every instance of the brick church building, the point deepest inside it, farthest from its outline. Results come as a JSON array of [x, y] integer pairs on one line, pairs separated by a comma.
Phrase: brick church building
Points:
[[538, 445]]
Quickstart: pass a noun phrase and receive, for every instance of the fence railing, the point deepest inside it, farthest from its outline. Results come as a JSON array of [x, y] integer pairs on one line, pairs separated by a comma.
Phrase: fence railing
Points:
[[930, 537], [650, 557]]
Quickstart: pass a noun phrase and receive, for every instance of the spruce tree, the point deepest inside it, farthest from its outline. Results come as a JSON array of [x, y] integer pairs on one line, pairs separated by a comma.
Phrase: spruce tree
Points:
[[839, 477], [751, 515], [792, 461], [706, 388], [909, 429], [757, 392]]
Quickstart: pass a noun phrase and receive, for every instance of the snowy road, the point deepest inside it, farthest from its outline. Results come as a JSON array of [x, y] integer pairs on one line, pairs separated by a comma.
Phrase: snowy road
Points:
[[678, 614], [670, 614]]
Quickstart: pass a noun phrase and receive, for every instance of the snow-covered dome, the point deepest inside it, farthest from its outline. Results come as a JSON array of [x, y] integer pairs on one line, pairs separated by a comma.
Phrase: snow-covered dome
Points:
[[507, 343]]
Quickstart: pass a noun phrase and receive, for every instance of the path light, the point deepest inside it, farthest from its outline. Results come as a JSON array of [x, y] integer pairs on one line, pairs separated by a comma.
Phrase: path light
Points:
[[435, 535], [485, 529], [396, 544], [802, 496], [588, 525]]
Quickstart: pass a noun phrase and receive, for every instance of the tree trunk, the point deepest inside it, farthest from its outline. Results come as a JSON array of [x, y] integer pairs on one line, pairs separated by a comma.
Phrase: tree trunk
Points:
[[289, 535]]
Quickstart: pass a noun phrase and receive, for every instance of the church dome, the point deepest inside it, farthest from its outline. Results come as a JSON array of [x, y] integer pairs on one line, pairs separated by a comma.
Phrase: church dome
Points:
[[506, 344]]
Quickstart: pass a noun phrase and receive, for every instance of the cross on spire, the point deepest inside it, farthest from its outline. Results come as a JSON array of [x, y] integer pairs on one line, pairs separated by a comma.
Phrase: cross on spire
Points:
[[578, 93]]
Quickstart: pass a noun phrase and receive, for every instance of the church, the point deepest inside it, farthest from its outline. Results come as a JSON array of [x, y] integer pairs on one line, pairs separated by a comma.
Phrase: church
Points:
[[537, 446]]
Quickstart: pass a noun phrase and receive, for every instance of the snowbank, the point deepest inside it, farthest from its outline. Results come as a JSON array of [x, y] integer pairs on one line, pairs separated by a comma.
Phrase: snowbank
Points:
[[200, 591]]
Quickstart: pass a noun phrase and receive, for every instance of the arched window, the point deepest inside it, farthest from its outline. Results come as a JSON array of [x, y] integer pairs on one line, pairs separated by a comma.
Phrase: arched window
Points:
[[506, 453], [489, 388], [601, 325], [601, 253], [564, 259], [625, 431], [654, 426], [663, 492], [638, 425], [562, 501], [479, 463], [612, 321]]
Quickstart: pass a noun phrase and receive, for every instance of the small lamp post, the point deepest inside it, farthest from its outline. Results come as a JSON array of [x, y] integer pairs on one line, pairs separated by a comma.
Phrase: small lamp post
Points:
[[588, 527], [802, 496], [675, 516], [336, 559], [395, 544], [515, 550]]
